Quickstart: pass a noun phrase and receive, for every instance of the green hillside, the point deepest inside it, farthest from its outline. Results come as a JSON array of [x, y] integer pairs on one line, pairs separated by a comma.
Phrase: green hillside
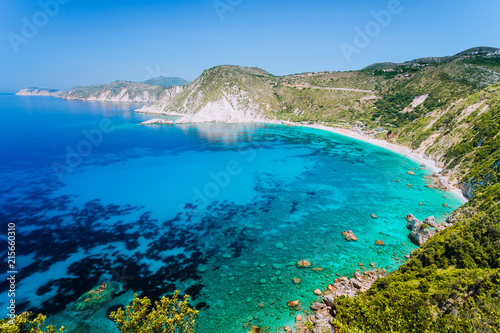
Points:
[[163, 81], [252, 87]]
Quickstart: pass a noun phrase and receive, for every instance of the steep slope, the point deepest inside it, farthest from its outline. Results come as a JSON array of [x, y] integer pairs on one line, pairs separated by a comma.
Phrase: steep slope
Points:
[[223, 94]]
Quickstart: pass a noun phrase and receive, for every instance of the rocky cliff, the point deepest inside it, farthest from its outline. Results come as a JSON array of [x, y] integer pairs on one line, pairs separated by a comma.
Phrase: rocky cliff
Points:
[[225, 94]]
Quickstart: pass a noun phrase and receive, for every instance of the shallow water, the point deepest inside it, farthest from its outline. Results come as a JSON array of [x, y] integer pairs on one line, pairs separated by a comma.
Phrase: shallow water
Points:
[[221, 212]]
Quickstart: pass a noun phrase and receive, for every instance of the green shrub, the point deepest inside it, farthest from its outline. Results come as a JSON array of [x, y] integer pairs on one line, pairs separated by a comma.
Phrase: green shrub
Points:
[[170, 315], [23, 324]]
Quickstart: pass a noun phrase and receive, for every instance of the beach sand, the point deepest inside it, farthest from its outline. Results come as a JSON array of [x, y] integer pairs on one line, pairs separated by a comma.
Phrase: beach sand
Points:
[[401, 150]]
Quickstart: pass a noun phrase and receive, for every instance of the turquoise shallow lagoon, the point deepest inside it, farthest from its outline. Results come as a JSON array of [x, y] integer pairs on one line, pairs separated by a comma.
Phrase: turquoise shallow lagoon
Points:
[[221, 212]]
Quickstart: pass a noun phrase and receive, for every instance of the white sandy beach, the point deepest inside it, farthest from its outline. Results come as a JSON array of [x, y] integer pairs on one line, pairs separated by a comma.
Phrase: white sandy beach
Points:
[[401, 150]]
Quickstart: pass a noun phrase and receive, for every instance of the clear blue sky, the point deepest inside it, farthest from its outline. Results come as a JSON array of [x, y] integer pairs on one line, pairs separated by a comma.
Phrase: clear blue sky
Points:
[[99, 41]]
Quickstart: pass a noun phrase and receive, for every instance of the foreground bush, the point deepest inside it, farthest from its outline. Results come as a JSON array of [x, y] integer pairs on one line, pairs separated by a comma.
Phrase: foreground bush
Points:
[[23, 324], [170, 315]]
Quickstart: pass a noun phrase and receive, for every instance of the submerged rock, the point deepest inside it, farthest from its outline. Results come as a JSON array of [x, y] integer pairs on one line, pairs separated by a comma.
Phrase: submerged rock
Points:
[[350, 236], [304, 263], [95, 299]]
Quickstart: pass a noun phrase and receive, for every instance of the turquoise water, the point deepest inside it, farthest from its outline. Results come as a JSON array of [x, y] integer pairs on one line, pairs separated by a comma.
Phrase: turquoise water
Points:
[[221, 212]]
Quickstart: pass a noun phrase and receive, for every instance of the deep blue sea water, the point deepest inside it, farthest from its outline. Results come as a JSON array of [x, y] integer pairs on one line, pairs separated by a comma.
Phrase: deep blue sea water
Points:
[[221, 212]]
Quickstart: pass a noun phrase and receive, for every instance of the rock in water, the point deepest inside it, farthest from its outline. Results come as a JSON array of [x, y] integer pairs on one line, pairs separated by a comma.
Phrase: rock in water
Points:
[[420, 231], [350, 236], [95, 299], [304, 263], [158, 121], [411, 173]]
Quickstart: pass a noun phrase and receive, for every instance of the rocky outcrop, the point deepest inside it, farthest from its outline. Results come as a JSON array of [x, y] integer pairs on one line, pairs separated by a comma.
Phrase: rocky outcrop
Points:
[[438, 182], [344, 286], [157, 121], [467, 189], [421, 231], [324, 311]]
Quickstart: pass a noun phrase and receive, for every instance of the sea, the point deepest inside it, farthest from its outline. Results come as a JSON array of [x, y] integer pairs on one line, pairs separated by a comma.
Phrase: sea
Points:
[[221, 212]]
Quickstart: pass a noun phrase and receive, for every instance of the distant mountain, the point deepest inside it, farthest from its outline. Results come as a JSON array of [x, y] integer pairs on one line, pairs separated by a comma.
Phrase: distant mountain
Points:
[[118, 91], [34, 91], [123, 91], [167, 81]]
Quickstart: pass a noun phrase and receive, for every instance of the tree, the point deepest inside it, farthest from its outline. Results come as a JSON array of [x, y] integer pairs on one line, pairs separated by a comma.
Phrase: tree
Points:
[[170, 315]]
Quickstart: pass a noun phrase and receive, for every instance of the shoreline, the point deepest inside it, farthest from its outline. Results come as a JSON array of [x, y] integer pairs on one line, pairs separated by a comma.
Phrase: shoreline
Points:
[[398, 149]]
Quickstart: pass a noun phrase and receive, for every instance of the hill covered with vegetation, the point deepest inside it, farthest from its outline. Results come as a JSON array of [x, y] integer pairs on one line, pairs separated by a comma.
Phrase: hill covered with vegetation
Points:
[[164, 81]]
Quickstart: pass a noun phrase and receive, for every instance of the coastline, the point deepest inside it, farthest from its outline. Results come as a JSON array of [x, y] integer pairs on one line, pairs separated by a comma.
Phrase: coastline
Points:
[[398, 149], [401, 150]]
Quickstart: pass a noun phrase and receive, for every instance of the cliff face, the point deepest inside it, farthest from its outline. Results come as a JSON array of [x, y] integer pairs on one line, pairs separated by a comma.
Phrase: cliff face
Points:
[[223, 94]]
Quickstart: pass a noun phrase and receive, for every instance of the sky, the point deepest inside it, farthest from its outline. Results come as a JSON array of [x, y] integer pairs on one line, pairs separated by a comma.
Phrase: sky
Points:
[[65, 43]]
